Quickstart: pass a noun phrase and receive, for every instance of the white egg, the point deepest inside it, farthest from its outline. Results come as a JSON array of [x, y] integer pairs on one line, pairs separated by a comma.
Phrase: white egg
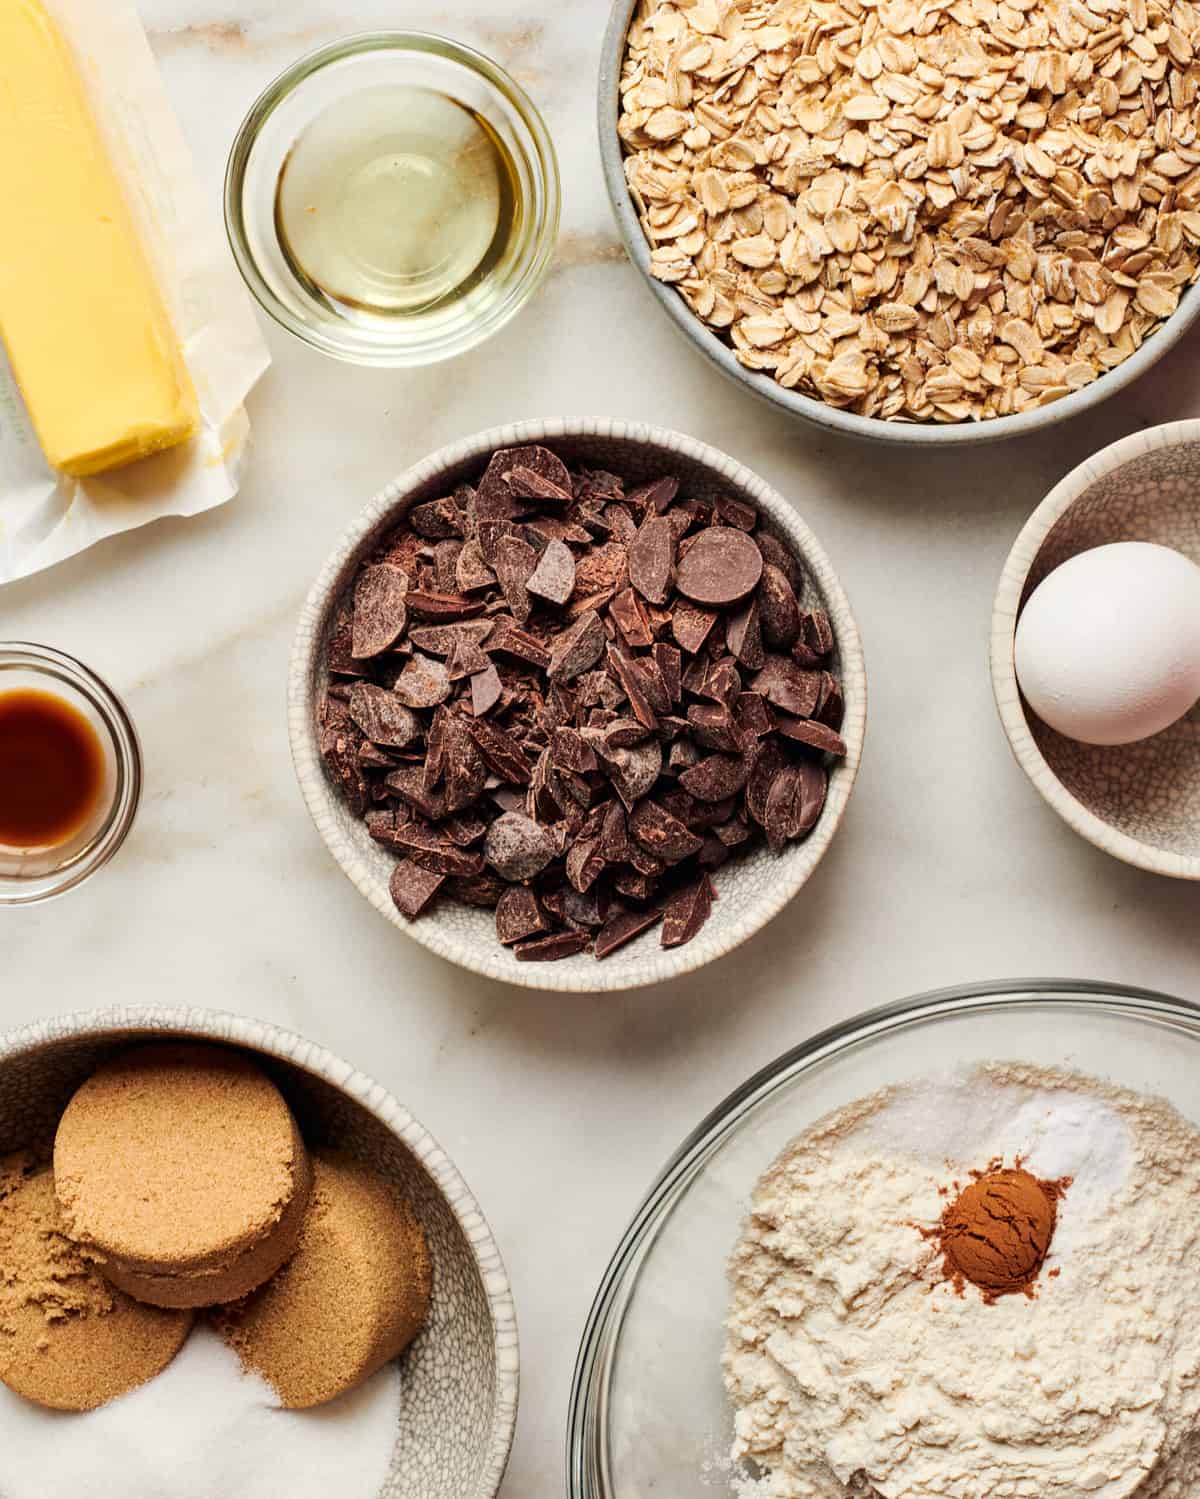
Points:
[[1108, 645]]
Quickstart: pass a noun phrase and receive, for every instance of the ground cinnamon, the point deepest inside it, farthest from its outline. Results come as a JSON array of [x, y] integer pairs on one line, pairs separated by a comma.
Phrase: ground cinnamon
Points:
[[997, 1231]]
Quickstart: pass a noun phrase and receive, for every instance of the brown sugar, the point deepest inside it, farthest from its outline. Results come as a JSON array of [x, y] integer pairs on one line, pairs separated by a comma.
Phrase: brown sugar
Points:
[[353, 1296], [997, 1231], [181, 1172], [67, 1339]]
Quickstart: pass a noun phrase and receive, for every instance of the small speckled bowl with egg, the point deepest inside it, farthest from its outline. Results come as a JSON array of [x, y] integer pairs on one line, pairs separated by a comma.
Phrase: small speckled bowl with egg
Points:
[[1139, 802]]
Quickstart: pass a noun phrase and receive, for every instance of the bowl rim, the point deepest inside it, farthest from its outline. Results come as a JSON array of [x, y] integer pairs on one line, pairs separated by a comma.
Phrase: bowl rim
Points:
[[319, 796], [224, 1027], [1005, 609], [808, 408], [587, 1411]]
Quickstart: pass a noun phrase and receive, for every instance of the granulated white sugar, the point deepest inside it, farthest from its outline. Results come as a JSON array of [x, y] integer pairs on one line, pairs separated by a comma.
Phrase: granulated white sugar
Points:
[[202, 1430]]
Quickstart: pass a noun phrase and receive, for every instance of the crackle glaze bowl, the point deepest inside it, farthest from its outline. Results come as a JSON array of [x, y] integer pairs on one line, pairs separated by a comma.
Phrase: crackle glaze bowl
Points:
[[807, 408], [1139, 802], [750, 890], [648, 1413], [460, 1377]]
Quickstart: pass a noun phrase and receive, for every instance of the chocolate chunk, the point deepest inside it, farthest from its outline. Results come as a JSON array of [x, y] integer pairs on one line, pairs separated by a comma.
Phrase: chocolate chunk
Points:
[[614, 835], [651, 558], [713, 727], [515, 563], [497, 498], [682, 754], [550, 949], [516, 847], [423, 683], [630, 618], [408, 783], [635, 885], [465, 660], [633, 771], [508, 640], [585, 863], [691, 626], [623, 928], [380, 610], [412, 888], [655, 496], [518, 915], [604, 570], [661, 834], [713, 853], [832, 708], [687, 911], [440, 640], [788, 686], [782, 812], [339, 751], [478, 890], [428, 603], [501, 752], [527, 484], [809, 731], [778, 611], [716, 777], [553, 578], [570, 751], [818, 632], [471, 571], [720, 567], [736, 512], [752, 715], [814, 786], [382, 717], [578, 648], [465, 771], [774, 552], [436, 520], [630, 678], [743, 635], [486, 688]]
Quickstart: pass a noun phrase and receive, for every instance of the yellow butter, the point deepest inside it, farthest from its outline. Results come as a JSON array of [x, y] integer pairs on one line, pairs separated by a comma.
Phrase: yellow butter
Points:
[[81, 315]]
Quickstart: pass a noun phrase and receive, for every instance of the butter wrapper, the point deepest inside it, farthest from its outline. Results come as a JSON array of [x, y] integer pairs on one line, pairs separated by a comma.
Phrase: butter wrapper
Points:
[[45, 516]]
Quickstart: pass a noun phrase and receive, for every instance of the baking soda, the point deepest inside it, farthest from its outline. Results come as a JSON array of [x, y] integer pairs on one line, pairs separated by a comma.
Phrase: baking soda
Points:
[[202, 1429]]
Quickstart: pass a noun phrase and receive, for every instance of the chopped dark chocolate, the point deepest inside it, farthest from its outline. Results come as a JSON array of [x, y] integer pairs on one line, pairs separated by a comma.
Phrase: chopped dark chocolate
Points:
[[720, 567], [382, 717], [380, 610], [412, 888], [570, 703], [553, 579]]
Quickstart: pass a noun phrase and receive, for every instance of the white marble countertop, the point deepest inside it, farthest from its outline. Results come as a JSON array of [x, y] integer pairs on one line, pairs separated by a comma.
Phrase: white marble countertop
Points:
[[558, 1110]]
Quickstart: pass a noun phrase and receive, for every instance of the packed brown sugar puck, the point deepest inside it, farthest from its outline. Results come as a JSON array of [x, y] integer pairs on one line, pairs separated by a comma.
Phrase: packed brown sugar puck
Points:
[[68, 1340], [353, 1296], [180, 1170]]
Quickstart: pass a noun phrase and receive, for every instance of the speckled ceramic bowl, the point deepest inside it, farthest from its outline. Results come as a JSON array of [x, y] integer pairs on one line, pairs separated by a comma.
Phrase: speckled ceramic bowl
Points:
[[1138, 802], [751, 890], [459, 1389], [807, 408]]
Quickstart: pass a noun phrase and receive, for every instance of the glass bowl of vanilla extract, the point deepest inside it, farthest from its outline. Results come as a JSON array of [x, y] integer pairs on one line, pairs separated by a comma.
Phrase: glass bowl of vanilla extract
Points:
[[393, 199], [70, 773]]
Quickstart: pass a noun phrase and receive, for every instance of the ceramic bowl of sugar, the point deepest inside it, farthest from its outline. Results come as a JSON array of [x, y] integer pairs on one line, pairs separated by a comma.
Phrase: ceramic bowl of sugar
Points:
[[1067, 1080], [1139, 802], [435, 1424]]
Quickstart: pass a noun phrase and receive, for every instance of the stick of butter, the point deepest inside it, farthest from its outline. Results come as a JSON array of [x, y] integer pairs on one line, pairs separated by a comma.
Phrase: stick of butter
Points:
[[81, 315]]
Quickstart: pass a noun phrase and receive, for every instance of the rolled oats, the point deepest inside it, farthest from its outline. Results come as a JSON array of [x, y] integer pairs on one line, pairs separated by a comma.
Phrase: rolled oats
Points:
[[941, 212]]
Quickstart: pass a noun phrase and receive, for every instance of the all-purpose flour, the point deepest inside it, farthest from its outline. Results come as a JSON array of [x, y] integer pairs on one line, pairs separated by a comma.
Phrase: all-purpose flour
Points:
[[202, 1430], [855, 1366]]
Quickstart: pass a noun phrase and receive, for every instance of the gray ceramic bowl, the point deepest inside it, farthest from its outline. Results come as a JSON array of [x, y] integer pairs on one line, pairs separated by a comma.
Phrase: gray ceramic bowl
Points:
[[1138, 802], [461, 1375], [751, 890], [719, 354]]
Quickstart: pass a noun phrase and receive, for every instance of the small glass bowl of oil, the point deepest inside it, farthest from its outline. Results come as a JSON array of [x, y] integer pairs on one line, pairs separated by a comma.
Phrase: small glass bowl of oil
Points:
[[393, 199], [70, 773]]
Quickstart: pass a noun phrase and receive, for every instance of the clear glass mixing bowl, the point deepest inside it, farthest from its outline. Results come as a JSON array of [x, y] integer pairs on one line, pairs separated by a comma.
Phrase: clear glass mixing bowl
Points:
[[648, 1410]]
